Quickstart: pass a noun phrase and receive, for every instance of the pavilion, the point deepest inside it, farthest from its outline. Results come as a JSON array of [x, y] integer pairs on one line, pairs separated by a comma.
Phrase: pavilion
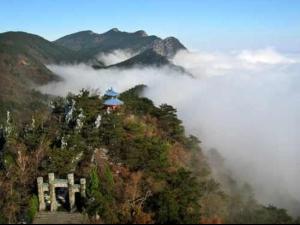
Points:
[[111, 93], [112, 102]]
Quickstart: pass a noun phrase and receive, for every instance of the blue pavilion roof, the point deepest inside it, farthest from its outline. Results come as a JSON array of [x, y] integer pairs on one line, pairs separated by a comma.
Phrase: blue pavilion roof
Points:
[[113, 102], [111, 93]]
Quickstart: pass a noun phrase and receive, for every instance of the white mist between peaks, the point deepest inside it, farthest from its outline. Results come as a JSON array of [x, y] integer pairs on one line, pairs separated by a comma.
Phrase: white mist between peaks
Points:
[[246, 104]]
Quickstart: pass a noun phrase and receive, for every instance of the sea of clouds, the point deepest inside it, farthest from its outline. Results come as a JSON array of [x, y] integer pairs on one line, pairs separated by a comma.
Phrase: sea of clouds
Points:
[[244, 103]]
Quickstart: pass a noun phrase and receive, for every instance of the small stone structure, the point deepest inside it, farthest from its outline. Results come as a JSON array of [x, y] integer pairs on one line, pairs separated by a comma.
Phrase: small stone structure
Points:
[[59, 183]]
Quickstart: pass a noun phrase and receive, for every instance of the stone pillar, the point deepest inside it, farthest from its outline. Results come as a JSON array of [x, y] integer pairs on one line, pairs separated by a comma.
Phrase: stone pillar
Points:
[[53, 206], [83, 188], [71, 191], [42, 204]]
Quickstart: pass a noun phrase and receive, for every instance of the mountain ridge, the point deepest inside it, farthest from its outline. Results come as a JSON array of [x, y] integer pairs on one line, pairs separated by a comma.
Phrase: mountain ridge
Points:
[[89, 43]]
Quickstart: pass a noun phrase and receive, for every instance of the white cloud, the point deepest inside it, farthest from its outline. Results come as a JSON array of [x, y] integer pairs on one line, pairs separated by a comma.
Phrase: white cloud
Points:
[[248, 109], [115, 56], [265, 56], [203, 64]]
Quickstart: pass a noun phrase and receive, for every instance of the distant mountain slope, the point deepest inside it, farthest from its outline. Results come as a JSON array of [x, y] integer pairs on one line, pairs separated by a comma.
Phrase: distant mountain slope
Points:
[[34, 47], [146, 58], [22, 66], [88, 44]]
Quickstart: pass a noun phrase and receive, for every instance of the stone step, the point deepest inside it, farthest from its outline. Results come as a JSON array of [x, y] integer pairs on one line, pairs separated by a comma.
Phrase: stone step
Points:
[[59, 218]]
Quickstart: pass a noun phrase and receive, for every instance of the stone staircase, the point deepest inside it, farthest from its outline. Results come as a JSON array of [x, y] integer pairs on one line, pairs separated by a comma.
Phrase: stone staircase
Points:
[[59, 218]]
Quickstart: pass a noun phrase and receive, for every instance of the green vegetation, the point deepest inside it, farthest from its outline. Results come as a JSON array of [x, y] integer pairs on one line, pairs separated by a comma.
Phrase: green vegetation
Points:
[[139, 164], [33, 208], [178, 202], [34, 47], [101, 193]]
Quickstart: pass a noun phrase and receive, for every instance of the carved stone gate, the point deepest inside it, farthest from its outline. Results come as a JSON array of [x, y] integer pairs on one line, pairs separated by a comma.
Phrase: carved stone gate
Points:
[[59, 183]]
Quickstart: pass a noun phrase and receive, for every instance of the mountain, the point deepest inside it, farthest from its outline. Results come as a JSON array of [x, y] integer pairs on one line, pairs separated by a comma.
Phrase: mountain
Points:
[[140, 167], [139, 164], [168, 47], [151, 50], [88, 44], [34, 47], [23, 58], [148, 57]]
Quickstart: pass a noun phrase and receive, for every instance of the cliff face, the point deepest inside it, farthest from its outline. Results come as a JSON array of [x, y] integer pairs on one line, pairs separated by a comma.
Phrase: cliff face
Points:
[[168, 47]]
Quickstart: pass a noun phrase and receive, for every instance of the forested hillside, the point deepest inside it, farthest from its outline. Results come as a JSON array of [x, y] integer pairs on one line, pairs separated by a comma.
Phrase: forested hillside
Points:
[[139, 164]]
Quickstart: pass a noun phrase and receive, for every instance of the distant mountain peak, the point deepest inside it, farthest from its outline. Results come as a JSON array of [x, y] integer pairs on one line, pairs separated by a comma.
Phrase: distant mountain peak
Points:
[[141, 33], [170, 39], [113, 30], [168, 47], [91, 32], [85, 32]]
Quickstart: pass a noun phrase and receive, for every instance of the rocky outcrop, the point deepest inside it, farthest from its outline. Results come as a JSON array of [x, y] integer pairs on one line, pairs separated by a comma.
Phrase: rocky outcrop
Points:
[[167, 47]]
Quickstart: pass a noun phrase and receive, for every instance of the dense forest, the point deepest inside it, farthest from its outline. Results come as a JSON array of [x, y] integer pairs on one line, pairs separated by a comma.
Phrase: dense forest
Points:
[[140, 165]]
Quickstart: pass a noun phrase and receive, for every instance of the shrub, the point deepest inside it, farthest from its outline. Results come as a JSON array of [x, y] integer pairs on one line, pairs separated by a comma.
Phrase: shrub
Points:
[[33, 208], [178, 202], [101, 197], [144, 153], [169, 123]]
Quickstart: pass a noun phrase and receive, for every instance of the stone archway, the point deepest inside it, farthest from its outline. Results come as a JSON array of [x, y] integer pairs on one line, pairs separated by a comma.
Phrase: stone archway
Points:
[[50, 187]]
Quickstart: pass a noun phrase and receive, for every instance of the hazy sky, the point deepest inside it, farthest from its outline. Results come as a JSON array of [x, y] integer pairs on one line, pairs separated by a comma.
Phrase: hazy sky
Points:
[[199, 24]]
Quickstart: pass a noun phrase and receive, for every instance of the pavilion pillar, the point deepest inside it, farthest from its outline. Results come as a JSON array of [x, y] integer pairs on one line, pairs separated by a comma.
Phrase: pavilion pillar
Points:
[[53, 206], [41, 195], [71, 191]]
